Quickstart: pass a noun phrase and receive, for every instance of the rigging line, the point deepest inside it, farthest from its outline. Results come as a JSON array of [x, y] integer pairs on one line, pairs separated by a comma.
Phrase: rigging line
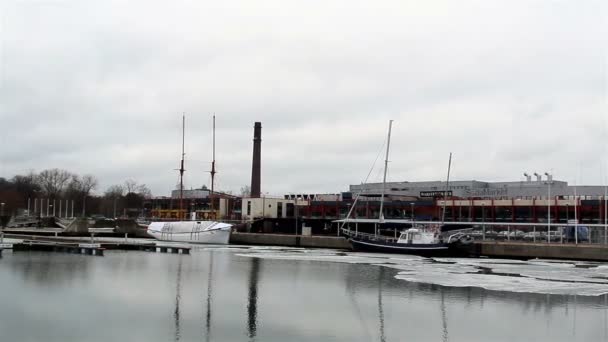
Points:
[[357, 310], [364, 182]]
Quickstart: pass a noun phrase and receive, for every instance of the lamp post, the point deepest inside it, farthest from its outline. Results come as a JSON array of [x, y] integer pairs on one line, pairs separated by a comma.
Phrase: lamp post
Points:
[[2, 216], [483, 221], [412, 207], [295, 212], [1, 222], [549, 181], [561, 237]]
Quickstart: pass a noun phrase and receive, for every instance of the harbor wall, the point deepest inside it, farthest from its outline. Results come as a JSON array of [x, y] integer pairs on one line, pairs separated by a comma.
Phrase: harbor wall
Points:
[[290, 240], [544, 251]]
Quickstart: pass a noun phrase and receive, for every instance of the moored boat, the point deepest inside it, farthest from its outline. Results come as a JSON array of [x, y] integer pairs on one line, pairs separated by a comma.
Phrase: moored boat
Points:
[[415, 240], [194, 231], [211, 232]]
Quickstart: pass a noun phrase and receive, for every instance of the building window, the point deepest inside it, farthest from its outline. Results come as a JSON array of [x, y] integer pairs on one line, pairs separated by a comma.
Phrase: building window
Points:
[[280, 209], [248, 208]]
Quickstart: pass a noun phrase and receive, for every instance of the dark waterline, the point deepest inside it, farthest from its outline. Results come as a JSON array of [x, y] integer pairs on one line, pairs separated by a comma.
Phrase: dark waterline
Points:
[[218, 295]]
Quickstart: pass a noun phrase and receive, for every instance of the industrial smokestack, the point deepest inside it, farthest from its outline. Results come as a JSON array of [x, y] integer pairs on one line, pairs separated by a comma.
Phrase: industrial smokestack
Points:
[[257, 160]]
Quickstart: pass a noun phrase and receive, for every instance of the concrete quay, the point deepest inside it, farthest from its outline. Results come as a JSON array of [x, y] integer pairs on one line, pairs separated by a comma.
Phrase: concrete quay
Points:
[[527, 250], [333, 242]]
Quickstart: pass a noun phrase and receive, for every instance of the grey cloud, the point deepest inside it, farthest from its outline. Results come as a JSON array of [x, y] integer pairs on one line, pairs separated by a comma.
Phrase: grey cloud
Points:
[[99, 87]]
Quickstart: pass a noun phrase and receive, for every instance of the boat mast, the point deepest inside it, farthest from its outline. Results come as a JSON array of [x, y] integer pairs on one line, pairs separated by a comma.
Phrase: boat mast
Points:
[[181, 169], [447, 187], [213, 172], [388, 145]]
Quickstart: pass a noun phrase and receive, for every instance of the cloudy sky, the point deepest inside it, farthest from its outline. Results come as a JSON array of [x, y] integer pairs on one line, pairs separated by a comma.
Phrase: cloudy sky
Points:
[[507, 86]]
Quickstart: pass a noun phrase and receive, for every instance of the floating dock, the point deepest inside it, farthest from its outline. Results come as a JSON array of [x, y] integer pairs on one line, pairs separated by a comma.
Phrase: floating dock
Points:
[[336, 242], [528, 250], [95, 247]]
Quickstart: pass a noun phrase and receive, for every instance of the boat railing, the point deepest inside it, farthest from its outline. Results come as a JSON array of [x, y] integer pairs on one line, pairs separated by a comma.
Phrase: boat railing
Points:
[[367, 236]]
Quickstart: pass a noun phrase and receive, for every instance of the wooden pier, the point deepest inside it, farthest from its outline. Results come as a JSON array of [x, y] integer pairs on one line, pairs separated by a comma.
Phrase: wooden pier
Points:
[[96, 247], [60, 247]]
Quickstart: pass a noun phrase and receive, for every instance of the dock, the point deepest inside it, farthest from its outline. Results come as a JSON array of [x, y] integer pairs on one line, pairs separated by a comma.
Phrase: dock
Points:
[[309, 241], [92, 246], [529, 250]]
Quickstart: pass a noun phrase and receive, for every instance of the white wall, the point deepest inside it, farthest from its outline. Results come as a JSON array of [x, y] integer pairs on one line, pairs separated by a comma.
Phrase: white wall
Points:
[[264, 207]]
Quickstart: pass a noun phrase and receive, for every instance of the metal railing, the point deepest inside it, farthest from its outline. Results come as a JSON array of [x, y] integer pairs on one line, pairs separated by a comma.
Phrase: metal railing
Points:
[[581, 233]]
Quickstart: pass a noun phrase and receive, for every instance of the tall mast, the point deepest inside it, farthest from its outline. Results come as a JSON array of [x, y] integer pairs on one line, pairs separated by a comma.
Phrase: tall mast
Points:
[[447, 187], [181, 169], [388, 145], [213, 172]]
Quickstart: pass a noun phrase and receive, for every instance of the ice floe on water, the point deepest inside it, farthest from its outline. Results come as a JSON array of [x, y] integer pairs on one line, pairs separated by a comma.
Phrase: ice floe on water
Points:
[[532, 276]]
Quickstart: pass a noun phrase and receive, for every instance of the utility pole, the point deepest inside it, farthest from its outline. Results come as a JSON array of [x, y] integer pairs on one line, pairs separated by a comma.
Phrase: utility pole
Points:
[[549, 181]]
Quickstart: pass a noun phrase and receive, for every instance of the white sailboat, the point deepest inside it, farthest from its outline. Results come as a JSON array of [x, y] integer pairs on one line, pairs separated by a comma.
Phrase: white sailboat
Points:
[[211, 232], [194, 231], [415, 240]]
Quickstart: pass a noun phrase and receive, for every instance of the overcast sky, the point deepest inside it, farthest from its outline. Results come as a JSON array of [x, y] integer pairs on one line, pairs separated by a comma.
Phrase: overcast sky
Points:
[[507, 86]]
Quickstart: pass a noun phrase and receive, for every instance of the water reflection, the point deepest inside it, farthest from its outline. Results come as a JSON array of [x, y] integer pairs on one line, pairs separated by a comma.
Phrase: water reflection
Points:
[[178, 297], [252, 306], [444, 319], [380, 308], [209, 296], [202, 297], [51, 269]]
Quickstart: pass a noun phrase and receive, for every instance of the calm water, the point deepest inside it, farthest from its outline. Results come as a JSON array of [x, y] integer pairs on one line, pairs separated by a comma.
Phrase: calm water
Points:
[[221, 294]]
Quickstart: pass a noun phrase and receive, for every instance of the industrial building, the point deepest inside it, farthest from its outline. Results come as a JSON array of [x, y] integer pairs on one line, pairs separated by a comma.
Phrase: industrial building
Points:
[[528, 188], [518, 201]]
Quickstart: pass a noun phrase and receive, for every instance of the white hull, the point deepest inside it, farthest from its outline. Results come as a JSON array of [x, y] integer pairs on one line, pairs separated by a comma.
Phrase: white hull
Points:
[[191, 231]]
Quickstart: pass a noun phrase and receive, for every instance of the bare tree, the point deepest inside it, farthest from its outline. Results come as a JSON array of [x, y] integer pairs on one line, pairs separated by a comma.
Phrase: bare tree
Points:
[[115, 191], [144, 191], [245, 191], [130, 186], [26, 185], [53, 181], [82, 187]]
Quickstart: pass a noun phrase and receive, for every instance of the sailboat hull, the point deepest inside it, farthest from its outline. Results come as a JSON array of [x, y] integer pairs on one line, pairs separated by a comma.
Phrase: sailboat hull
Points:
[[208, 232], [426, 250]]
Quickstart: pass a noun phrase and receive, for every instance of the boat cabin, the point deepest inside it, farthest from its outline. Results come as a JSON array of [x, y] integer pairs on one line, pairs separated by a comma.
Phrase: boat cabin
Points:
[[417, 236]]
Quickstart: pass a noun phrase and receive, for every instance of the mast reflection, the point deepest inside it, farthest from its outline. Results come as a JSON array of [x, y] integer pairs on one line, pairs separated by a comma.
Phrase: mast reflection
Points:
[[209, 295], [252, 306], [177, 300], [380, 309], [444, 319]]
